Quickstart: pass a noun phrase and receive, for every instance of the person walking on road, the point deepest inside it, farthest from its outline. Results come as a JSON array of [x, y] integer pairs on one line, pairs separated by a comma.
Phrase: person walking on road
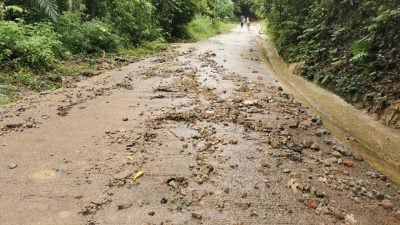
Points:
[[242, 21], [248, 23]]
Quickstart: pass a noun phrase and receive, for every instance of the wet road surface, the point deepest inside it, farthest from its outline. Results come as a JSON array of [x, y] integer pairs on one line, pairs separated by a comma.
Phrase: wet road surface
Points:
[[202, 134]]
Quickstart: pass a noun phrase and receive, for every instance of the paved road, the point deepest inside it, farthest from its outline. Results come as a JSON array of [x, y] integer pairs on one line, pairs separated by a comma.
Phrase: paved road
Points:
[[202, 134]]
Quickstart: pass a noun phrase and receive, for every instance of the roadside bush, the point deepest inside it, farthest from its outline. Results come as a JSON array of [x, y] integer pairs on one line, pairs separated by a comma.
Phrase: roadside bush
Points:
[[351, 47], [173, 15], [34, 46], [93, 36], [203, 27], [132, 20]]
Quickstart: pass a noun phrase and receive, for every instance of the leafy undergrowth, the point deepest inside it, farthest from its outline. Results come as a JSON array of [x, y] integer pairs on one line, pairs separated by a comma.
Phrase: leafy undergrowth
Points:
[[202, 27], [351, 48], [15, 84]]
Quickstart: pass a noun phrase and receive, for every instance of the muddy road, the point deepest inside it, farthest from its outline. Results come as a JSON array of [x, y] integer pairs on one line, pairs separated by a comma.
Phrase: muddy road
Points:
[[202, 134]]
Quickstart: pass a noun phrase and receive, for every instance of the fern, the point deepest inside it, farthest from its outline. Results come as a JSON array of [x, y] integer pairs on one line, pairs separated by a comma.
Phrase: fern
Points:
[[49, 7], [360, 50]]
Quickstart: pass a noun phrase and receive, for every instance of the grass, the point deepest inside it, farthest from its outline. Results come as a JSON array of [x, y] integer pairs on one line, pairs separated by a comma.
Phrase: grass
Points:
[[146, 49], [202, 27]]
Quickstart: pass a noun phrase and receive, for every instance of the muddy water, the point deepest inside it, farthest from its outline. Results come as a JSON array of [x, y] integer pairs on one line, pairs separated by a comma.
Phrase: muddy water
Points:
[[376, 143]]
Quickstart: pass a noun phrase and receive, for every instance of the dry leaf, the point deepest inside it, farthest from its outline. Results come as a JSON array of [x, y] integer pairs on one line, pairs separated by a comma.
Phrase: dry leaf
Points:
[[138, 175]]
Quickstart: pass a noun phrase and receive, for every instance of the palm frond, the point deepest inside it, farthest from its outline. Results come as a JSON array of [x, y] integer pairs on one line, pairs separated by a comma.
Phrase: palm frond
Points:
[[49, 7]]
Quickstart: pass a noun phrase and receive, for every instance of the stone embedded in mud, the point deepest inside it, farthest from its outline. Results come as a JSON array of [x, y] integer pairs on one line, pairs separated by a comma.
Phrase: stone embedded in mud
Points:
[[387, 204], [125, 119], [180, 179], [315, 147], [358, 157], [124, 206], [336, 154], [397, 215], [344, 151], [339, 214], [313, 204], [307, 144], [197, 216], [348, 162]]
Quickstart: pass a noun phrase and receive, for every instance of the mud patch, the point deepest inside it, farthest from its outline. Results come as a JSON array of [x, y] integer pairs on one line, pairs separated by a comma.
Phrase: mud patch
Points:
[[44, 175]]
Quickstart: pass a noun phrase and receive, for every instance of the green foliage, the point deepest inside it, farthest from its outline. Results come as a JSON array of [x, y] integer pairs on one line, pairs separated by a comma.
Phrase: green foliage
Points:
[[33, 46], [49, 7], [202, 27], [351, 47], [132, 20], [360, 50], [222, 9], [248, 8], [92, 36], [173, 15]]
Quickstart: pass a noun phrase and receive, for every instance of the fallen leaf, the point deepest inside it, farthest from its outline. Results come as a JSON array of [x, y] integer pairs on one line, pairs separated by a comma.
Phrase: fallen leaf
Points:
[[138, 175]]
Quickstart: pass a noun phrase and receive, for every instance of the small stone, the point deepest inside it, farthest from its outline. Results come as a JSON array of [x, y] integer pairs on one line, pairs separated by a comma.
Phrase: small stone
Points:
[[344, 151], [387, 204], [307, 144], [152, 213], [164, 200], [348, 162], [358, 157], [315, 147], [124, 206], [197, 216], [313, 204], [180, 179], [12, 166], [125, 119], [397, 215], [339, 214], [286, 171], [336, 154]]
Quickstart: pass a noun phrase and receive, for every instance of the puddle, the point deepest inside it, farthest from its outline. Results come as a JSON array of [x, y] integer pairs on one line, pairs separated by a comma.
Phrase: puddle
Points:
[[379, 145]]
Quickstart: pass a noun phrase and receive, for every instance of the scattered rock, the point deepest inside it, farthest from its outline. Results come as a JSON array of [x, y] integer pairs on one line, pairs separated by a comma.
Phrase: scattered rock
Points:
[[197, 216], [313, 204], [397, 215], [315, 147], [348, 162], [339, 214], [124, 206], [164, 200], [125, 119], [358, 157], [336, 154], [12, 166], [152, 213], [387, 204], [344, 151]]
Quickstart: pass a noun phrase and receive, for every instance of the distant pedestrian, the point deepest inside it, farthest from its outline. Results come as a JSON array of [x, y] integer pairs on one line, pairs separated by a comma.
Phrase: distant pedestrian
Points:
[[248, 23], [242, 21]]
